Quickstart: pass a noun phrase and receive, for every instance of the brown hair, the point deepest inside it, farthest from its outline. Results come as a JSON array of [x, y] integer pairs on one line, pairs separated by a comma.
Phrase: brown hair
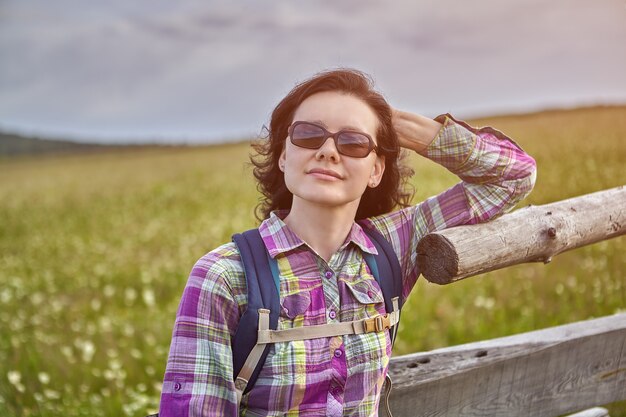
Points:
[[393, 189]]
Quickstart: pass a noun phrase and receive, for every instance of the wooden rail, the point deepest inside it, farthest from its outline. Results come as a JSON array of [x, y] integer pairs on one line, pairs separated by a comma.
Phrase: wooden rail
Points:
[[530, 234], [546, 373]]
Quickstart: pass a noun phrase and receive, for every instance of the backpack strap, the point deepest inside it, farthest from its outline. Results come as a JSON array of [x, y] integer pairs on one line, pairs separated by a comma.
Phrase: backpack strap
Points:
[[385, 265], [262, 290]]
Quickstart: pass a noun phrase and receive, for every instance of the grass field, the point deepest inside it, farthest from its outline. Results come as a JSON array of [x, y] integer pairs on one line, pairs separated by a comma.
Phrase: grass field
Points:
[[95, 251]]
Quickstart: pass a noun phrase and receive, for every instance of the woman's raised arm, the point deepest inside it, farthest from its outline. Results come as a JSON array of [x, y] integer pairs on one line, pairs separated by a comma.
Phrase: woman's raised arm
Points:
[[495, 175], [414, 131]]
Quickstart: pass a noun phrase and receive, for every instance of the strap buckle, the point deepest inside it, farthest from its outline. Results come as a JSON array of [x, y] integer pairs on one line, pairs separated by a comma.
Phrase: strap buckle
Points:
[[240, 384], [377, 323]]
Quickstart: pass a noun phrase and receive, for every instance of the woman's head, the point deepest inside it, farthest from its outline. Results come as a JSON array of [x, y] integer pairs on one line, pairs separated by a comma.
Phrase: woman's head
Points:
[[343, 88]]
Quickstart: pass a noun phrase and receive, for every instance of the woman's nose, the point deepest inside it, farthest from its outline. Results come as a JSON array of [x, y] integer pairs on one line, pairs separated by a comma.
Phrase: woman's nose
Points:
[[328, 150]]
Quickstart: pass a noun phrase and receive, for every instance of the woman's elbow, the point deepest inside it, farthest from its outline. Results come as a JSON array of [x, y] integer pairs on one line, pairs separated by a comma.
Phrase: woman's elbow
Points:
[[527, 182]]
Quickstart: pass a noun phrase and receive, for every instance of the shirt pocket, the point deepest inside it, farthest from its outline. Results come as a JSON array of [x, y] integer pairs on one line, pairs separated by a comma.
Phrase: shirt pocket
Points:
[[293, 309], [365, 293]]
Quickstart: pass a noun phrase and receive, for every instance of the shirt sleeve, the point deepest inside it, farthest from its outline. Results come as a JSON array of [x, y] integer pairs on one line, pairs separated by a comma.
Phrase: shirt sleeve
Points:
[[495, 175], [199, 373]]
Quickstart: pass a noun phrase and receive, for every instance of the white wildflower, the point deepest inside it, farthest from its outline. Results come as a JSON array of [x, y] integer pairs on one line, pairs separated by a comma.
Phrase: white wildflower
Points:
[[484, 302], [37, 298], [44, 378], [148, 297], [88, 349], [96, 304], [51, 394], [109, 291], [15, 377], [128, 329], [105, 324], [130, 294], [5, 295], [559, 288], [115, 364], [67, 351]]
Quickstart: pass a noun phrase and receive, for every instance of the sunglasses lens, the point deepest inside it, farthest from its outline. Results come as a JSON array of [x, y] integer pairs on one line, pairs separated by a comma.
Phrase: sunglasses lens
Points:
[[307, 136], [353, 144]]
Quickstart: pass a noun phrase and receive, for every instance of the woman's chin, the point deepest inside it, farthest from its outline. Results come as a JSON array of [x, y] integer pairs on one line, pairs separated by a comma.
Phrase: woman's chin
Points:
[[326, 199]]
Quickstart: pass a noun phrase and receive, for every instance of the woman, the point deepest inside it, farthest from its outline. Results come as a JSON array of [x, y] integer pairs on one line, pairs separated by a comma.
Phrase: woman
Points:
[[315, 187]]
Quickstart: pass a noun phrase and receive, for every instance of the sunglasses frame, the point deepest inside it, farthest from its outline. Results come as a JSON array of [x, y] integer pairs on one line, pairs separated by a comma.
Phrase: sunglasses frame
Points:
[[371, 144]]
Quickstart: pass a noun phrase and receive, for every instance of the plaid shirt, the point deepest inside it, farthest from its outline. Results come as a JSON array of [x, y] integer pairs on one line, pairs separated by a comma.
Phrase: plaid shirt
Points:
[[334, 376]]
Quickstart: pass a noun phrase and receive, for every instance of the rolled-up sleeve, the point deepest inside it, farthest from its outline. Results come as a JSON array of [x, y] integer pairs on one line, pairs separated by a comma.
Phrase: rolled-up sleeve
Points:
[[496, 173]]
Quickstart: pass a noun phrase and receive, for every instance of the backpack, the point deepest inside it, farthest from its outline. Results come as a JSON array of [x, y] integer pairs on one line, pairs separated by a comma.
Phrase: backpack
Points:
[[258, 324]]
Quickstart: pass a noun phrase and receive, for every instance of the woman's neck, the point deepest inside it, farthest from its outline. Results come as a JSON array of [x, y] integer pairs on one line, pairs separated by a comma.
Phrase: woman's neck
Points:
[[323, 228]]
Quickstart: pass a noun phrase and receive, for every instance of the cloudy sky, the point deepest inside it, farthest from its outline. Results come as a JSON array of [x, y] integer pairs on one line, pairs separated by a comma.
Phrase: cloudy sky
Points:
[[202, 71]]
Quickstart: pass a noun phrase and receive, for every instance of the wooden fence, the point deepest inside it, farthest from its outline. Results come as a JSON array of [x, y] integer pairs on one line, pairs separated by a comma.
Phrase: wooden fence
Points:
[[545, 373]]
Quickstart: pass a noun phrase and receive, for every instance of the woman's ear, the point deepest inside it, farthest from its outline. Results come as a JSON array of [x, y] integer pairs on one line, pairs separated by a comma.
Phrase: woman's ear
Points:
[[282, 159], [377, 172]]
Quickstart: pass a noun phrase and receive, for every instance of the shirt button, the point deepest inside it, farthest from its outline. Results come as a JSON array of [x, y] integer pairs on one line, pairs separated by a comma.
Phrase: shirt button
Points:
[[370, 294], [177, 386], [332, 314], [329, 274], [338, 353]]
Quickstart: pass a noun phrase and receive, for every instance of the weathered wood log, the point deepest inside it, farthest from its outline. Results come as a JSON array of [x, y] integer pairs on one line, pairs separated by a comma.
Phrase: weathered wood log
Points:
[[545, 373], [592, 412], [530, 234]]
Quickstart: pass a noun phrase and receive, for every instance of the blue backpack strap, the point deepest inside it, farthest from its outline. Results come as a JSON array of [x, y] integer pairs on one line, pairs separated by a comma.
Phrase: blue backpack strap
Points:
[[386, 269], [261, 274]]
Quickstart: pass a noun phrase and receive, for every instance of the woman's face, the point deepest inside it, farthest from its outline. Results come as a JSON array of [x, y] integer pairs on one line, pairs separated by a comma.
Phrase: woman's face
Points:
[[324, 176]]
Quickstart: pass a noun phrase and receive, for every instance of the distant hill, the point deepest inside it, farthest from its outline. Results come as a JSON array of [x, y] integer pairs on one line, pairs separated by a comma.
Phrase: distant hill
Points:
[[13, 145]]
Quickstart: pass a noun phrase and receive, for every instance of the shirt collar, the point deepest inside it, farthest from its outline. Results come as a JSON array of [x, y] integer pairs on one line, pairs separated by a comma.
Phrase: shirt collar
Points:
[[279, 238]]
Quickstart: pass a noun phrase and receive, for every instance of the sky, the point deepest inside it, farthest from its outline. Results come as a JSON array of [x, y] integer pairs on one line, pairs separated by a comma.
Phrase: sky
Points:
[[203, 71]]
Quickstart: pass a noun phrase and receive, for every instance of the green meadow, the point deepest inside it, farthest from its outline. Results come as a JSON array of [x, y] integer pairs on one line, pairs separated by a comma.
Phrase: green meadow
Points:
[[95, 250]]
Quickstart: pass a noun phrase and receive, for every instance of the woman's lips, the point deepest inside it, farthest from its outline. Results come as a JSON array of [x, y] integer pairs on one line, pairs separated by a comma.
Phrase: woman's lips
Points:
[[325, 174]]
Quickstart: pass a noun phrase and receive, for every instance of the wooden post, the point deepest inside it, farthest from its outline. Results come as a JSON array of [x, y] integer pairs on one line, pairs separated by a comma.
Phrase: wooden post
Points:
[[530, 234]]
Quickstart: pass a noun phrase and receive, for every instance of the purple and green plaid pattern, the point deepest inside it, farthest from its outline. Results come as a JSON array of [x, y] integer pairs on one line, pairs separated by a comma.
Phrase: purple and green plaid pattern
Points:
[[335, 376]]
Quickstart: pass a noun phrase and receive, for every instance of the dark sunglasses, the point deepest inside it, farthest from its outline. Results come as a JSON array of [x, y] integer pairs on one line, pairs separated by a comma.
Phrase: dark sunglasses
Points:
[[348, 142]]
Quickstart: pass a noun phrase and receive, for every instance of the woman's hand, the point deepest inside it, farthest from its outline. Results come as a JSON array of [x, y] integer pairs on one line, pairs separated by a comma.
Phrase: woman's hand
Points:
[[414, 131]]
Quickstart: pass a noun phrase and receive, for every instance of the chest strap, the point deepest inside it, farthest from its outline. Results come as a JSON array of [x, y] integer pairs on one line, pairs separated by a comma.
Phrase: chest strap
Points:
[[378, 323]]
